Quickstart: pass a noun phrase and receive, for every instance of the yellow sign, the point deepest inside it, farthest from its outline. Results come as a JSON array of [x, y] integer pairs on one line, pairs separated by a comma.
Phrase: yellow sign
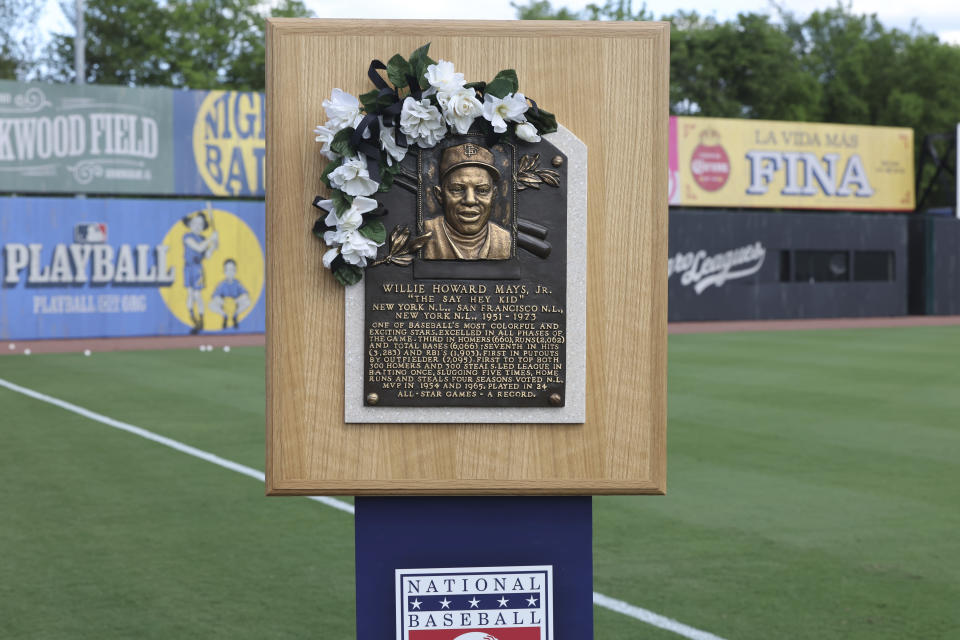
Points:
[[229, 142], [794, 165], [218, 266]]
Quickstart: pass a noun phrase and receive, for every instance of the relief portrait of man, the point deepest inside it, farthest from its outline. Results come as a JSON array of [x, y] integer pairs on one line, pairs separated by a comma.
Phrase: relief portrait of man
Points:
[[466, 193]]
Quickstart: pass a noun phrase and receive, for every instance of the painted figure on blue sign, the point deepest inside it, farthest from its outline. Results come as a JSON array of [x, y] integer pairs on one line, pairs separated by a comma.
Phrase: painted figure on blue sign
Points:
[[197, 248], [231, 288]]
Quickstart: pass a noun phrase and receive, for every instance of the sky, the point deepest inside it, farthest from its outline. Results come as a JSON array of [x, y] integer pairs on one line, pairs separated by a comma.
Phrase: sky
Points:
[[936, 16]]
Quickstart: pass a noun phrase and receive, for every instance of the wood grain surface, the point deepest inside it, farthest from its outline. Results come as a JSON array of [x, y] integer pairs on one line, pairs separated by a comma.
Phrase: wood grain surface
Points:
[[608, 84]]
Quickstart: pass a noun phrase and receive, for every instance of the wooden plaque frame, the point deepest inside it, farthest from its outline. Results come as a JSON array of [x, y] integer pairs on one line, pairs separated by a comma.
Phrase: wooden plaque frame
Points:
[[606, 82]]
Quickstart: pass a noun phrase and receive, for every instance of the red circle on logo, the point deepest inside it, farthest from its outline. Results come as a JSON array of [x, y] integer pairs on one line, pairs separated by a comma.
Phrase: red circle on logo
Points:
[[710, 166]]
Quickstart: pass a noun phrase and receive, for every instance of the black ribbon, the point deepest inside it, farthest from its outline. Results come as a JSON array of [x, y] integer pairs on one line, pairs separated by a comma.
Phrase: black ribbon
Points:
[[376, 78], [379, 212], [371, 122], [414, 85], [534, 107], [320, 227], [337, 262]]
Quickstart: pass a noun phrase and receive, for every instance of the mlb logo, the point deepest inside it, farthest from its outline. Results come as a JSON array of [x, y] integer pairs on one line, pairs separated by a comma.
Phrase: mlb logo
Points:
[[475, 603], [90, 232]]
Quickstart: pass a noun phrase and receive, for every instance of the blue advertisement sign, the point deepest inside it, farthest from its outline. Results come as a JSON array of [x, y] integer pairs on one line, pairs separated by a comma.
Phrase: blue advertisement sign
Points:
[[219, 143], [80, 268]]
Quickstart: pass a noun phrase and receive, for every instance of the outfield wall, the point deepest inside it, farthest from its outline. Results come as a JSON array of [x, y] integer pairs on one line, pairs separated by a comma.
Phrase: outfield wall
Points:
[[80, 268], [769, 265], [935, 265]]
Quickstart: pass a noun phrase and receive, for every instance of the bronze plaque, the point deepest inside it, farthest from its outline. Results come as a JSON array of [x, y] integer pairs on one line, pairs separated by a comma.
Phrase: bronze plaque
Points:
[[467, 307]]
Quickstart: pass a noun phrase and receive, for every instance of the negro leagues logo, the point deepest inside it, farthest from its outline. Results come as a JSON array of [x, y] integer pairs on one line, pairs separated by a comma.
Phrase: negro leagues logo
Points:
[[701, 270], [479, 603]]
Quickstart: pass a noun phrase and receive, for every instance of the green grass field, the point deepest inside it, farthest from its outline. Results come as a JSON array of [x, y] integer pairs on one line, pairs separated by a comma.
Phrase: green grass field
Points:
[[813, 492]]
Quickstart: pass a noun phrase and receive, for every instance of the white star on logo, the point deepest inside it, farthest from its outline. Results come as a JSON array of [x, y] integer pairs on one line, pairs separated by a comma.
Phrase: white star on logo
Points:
[[502, 601], [445, 603], [473, 603], [532, 601], [415, 604]]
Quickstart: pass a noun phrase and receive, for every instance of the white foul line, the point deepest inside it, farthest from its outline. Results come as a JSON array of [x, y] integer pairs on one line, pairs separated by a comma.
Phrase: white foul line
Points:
[[651, 618], [599, 599]]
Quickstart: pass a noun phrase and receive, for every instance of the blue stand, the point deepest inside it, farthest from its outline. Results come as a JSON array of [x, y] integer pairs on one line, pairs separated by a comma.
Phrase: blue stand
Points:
[[470, 532]]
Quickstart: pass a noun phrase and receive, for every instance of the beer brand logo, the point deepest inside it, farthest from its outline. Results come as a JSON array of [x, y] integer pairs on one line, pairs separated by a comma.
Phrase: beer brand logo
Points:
[[479, 603], [229, 142], [709, 163]]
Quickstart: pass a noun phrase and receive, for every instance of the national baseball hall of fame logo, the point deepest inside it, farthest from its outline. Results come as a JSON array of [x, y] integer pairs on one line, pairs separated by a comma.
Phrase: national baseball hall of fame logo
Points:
[[219, 268], [477, 603]]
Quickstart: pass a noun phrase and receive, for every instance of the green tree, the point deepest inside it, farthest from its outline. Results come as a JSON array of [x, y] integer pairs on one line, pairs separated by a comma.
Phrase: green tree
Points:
[[199, 44], [19, 43], [542, 10], [745, 68], [610, 10], [8, 63], [877, 76], [620, 10]]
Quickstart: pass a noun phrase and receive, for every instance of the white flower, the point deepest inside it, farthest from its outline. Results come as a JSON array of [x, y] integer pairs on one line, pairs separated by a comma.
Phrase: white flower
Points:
[[442, 77], [357, 248], [352, 218], [460, 108], [329, 257], [422, 122], [389, 144], [326, 205], [325, 135], [353, 245], [498, 110], [528, 132], [343, 110], [353, 178]]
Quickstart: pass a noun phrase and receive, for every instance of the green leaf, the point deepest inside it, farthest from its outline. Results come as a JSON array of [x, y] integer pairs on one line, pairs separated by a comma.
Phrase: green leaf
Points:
[[341, 201], [544, 121], [505, 82], [419, 61], [348, 274], [374, 230], [325, 176], [373, 102], [419, 54], [392, 169], [480, 87], [386, 181], [397, 70], [369, 99], [341, 142]]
